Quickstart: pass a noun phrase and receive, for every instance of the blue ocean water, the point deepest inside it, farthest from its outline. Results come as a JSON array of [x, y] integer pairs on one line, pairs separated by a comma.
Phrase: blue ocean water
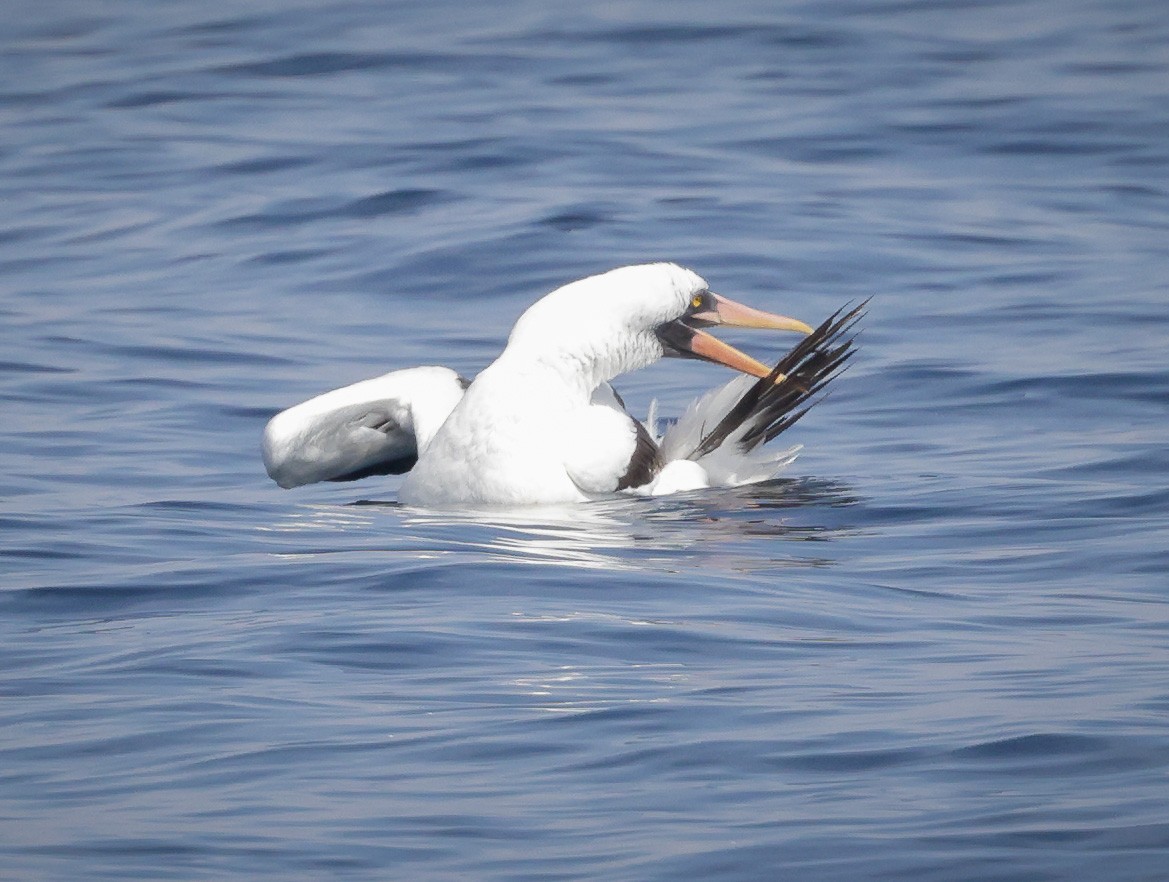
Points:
[[937, 650]]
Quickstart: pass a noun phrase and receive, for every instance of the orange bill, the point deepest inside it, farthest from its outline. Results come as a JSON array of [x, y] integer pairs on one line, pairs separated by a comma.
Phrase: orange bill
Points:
[[739, 315], [711, 348]]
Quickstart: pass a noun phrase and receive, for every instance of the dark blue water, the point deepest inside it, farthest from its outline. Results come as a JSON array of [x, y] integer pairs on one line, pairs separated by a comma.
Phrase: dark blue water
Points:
[[938, 650]]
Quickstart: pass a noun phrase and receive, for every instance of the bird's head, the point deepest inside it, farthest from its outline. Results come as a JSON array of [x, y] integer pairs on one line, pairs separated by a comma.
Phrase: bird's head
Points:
[[630, 317]]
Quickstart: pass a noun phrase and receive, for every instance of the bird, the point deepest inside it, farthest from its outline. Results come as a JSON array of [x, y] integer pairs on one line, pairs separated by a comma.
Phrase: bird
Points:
[[542, 424]]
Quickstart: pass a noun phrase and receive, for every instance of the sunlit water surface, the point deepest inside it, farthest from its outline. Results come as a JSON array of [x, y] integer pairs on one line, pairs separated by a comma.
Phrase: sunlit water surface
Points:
[[938, 649]]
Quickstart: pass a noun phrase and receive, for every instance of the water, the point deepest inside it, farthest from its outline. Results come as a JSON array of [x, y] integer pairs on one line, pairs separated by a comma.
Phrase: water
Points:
[[937, 650]]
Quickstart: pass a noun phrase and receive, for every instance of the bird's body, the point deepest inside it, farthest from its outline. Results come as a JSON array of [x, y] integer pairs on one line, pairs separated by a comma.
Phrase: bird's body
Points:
[[522, 437], [541, 423], [493, 448]]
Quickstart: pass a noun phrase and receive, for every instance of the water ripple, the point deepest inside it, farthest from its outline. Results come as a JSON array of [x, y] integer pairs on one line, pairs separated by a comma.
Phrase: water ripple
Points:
[[934, 650]]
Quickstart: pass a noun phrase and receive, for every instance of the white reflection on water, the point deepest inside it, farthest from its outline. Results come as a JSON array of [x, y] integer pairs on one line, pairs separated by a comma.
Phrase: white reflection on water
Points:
[[568, 689], [779, 524]]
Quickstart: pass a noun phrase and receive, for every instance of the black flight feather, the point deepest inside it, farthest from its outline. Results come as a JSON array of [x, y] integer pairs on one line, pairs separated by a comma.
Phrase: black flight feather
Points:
[[769, 407]]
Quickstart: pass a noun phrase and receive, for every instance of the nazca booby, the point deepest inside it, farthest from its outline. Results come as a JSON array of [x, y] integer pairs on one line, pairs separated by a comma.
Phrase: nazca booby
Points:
[[541, 424]]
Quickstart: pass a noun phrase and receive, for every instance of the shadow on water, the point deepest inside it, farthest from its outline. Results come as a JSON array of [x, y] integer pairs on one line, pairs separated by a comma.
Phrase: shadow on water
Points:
[[745, 529]]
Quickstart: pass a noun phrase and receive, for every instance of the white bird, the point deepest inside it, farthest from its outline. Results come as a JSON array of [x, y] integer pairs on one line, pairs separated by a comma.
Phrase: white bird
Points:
[[541, 424]]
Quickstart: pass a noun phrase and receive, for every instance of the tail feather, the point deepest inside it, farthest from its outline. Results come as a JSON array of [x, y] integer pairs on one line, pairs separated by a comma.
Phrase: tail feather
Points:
[[747, 413], [776, 402]]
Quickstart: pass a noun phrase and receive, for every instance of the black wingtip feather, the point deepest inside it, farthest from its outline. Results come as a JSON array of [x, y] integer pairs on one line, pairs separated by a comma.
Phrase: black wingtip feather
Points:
[[646, 461], [770, 407]]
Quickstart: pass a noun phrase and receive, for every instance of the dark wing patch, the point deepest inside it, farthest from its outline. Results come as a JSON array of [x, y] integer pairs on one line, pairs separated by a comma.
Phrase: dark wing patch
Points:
[[400, 456], [645, 463], [769, 407], [397, 466]]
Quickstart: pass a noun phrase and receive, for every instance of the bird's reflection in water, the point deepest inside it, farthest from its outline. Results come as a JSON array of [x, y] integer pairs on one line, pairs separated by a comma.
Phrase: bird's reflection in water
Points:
[[744, 529]]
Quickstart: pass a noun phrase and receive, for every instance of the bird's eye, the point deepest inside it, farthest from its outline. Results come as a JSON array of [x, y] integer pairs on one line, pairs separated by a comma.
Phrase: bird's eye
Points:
[[696, 301]]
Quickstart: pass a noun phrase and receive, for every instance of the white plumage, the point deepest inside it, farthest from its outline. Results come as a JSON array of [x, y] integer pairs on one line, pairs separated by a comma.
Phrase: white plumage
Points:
[[375, 427], [541, 423]]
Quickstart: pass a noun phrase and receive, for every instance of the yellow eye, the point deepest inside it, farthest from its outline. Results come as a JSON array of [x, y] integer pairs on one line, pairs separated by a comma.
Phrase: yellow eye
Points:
[[696, 301]]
